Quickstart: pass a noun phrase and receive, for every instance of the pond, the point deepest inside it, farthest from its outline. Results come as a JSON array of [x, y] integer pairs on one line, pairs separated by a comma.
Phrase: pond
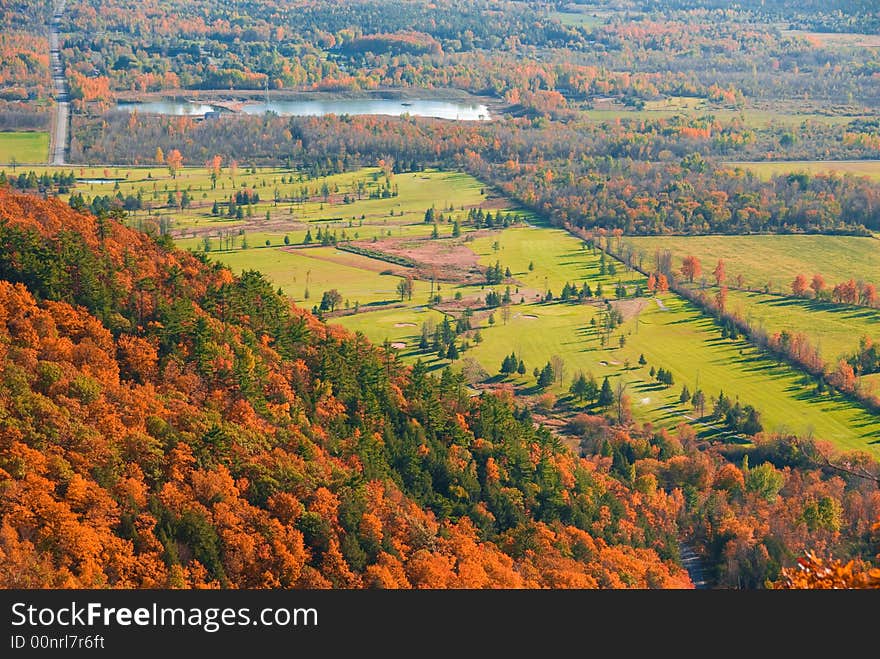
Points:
[[177, 108], [456, 110]]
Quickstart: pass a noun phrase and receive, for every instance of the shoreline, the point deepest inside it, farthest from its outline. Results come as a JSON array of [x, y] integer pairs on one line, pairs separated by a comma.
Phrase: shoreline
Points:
[[243, 95], [232, 101]]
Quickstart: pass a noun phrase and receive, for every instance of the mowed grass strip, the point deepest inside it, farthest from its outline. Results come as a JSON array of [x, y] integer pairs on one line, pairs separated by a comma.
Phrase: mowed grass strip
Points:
[[773, 259], [689, 344], [556, 256], [402, 326], [317, 270], [23, 147]]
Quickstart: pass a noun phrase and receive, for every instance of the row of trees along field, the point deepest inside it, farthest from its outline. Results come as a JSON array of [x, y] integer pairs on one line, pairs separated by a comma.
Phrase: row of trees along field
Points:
[[174, 425]]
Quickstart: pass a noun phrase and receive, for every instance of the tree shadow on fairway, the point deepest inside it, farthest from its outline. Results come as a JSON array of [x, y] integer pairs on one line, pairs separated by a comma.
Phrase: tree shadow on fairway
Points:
[[648, 386], [685, 321], [750, 358]]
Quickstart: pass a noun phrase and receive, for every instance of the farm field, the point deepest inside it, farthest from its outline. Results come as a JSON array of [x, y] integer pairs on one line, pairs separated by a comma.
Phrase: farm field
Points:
[[773, 259], [754, 117], [766, 170], [24, 147]]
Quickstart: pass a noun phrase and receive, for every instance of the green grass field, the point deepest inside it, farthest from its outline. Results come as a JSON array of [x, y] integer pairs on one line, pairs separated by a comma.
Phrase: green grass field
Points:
[[398, 325], [774, 259], [766, 170], [360, 216], [834, 329], [556, 256], [683, 340], [583, 18], [678, 338], [24, 147], [752, 117], [320, 269]]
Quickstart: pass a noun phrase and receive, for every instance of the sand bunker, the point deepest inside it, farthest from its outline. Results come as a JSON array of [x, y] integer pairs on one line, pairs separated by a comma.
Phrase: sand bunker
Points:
[[404, 324], [399, 345], [529, 316]]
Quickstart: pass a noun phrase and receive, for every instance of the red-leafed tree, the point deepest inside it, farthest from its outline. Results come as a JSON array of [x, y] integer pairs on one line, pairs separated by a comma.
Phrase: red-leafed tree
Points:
[[719, 273], [174, 161], [799, 286], [817, 284], [691, 268]]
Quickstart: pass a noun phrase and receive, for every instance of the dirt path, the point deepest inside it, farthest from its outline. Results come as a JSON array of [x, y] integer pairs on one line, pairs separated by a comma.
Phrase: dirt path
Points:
[[445, 260]]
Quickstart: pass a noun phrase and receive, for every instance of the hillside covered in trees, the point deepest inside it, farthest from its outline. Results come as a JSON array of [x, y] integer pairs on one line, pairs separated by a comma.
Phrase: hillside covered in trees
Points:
[[166, 424]]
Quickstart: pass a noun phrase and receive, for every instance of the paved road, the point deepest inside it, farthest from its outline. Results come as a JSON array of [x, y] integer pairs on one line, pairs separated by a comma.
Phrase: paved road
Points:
[[58, 155], [694, 566]]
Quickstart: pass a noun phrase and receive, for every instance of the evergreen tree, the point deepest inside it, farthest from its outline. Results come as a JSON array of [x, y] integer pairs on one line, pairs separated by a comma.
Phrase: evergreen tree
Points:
[[606, 395], [424, 341], [685, 395], [546, 377], [578, 386]]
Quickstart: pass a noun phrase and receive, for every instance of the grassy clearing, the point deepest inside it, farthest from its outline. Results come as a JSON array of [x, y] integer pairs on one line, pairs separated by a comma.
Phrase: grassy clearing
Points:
[[321, 269], [24, 147], [340, 202], [696, 107], [557, 257], [586, 18], [767, 170], [834, 329], [399, 325], [683, 340], [773, 259], [835, 40], [678, 338]]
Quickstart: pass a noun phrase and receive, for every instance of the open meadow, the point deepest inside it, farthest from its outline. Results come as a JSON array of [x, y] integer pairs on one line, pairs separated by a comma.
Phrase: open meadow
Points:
[[835, 329], [24, 147], [767, 170], [773, 260]]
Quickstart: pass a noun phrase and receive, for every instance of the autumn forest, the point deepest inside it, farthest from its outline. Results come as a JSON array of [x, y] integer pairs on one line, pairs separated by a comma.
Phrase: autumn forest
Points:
[[445, 295]]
